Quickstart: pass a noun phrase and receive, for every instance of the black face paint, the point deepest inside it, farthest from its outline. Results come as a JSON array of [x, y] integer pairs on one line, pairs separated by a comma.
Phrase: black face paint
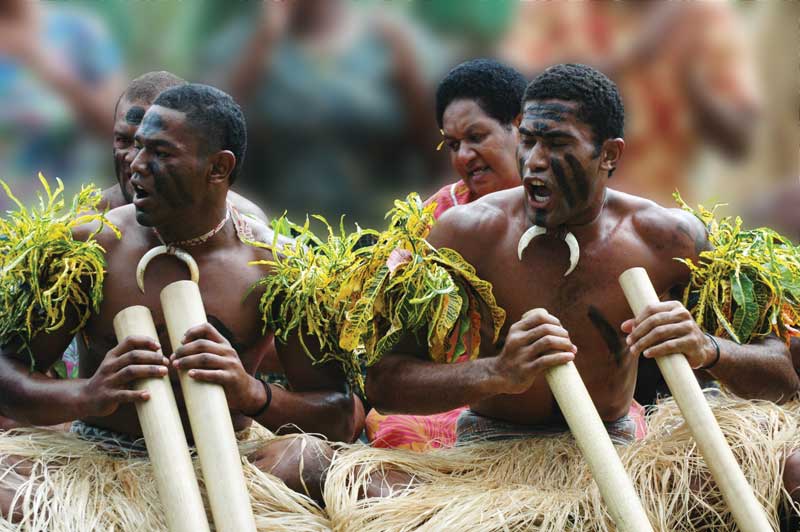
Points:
[[176, 195], [134, 115], [540, 217], [609, 334], [578, 176], [151, 125], [546, 111], [563, 183]]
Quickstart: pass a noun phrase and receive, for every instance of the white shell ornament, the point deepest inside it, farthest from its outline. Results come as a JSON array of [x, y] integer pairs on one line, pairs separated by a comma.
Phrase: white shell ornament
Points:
[[574, 252], [165, 250], [526, 238], [569, 239]]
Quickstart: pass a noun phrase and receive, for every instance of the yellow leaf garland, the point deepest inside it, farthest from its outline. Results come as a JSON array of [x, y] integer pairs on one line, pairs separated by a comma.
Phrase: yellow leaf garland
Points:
[[44, 271], [748, 286], [359, 293]]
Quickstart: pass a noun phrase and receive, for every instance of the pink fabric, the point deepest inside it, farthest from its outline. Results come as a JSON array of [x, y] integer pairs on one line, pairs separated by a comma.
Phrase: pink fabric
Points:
[[449, 196]]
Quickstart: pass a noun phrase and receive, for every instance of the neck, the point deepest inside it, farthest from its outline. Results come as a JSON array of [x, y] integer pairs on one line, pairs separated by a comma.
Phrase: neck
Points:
[[587, 226], [210, 228]]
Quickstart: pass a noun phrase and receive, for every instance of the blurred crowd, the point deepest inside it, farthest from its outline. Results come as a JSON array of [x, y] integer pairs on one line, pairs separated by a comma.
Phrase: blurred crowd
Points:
[[339, 94]]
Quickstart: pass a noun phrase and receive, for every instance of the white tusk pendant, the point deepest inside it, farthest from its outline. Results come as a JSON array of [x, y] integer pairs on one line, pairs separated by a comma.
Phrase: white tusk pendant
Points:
[[574, 252], [527, 236], [165, 250]]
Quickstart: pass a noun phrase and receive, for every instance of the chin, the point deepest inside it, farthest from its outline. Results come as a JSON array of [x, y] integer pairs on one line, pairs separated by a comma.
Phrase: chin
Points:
[[144, 219]]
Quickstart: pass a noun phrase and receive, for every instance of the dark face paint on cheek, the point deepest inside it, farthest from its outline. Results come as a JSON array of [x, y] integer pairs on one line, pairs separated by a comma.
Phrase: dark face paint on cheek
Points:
[[168, 187], [563, 183], [134, 115], [578, 176], [608, 333]]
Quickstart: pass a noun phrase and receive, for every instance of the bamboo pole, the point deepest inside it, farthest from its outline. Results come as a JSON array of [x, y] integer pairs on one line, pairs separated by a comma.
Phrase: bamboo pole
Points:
[[164, 436], [746, 510], [210, 419], [581, 415]]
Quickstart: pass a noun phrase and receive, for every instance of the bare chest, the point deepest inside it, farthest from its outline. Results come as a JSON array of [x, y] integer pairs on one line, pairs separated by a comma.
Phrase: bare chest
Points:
[[224, 282]]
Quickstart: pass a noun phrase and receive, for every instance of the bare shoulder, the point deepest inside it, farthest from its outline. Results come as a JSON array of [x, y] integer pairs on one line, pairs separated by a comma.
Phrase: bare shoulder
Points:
[[245, 206], [670, 232], [474, 226], [111, 199], [123, 219]]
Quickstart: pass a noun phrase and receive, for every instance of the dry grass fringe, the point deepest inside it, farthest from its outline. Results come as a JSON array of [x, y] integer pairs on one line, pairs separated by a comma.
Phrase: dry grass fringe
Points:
[[545, 485], [76, 486]]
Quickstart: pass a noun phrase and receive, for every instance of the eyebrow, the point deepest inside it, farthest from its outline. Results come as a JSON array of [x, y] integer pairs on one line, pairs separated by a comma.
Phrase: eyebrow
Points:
[[553, 133], [154, 142]]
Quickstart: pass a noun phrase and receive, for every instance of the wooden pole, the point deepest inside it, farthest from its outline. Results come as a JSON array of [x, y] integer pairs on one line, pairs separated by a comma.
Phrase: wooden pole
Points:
[[615, 486], [746, 510], [210, 419], [164, 436]]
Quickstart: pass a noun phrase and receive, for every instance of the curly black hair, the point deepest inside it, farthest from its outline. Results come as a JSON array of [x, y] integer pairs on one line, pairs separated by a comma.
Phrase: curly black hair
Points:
[[214, 115], [599, 104], [495, 87]]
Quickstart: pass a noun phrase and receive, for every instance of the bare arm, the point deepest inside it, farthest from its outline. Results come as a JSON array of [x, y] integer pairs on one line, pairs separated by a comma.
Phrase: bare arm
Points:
[[29, 397], [254, 62], [21, 37], [318, 401], [759, 370]]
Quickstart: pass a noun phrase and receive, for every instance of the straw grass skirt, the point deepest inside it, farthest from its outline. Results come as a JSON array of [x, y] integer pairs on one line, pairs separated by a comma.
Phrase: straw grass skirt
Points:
[[544, 484], [76, 486]]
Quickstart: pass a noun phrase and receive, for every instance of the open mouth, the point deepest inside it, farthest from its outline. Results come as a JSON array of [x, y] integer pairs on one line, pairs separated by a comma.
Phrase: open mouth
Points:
[[477, 173], [538, 191], [139, 192]]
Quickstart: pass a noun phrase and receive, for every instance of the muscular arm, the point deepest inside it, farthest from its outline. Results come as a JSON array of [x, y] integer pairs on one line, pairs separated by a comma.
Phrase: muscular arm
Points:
[[30, 397], [318, 401], [411, 385], [759, 370]]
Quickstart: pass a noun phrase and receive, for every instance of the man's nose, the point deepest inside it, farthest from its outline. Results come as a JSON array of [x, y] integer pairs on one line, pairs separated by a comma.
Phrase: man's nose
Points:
[[137, 163], [538, 159]]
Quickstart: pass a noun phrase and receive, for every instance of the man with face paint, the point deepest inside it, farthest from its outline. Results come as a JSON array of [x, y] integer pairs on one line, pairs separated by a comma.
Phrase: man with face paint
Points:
[[128, 114], [189, 149], [553, 250]]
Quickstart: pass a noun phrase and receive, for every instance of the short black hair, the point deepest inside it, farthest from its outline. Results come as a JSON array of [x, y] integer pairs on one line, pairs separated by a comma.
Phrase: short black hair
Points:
[[495, 87], [148, 86], [213, 114], [599, 103]]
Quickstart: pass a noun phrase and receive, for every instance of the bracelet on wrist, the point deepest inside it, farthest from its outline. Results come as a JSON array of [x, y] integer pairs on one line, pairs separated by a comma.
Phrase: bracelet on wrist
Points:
[[716, 357], [268, 391]]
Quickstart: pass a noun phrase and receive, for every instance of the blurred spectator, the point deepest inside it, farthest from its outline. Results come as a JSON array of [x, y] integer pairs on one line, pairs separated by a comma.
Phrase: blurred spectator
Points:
[[338, 109], [777, 207], [59, 78], [682, 68]]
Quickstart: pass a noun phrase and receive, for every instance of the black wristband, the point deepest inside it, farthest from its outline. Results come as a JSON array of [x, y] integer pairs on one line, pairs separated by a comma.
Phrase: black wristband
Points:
[[716, 358], [264, 408]]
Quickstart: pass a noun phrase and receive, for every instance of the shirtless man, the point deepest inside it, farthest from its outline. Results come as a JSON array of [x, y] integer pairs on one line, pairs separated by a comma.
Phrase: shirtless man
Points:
[[570, 143], [128, 114], [189, 148]]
